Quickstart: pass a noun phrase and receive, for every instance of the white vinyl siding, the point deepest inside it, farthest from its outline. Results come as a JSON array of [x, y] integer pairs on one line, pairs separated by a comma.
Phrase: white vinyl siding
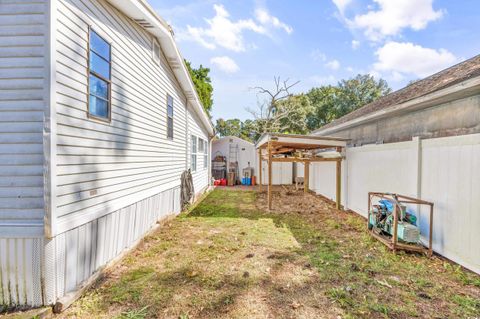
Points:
[[106, 166], [22, 105]]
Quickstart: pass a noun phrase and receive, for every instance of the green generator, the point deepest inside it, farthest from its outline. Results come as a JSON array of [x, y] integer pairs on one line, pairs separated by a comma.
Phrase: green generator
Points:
[[381, 219]]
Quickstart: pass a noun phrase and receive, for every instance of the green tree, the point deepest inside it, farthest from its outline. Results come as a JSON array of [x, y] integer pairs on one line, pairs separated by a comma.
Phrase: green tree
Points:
[[357, 92], [232, 127], [203, 85], [299, 109], [322, 100], [248, 131], [332, 102]]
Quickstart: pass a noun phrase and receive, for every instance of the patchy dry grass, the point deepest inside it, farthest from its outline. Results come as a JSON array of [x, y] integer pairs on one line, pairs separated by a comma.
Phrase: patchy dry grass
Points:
[[230, 258]]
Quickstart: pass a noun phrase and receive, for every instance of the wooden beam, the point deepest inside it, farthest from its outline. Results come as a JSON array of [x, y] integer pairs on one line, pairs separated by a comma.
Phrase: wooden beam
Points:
[[430, 234], [301, 160], [306, 178], [260, 160], [269, 149], [325, 159], [395, 228], [338, 195], [283, 150]]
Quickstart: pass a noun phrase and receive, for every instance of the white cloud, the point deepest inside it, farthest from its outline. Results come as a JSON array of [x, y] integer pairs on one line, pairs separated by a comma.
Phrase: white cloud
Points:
[[392, 17], [399, 59], [224, 32], [341, 5], [333, 64], [264, 17], [355, 44], [225, 63]]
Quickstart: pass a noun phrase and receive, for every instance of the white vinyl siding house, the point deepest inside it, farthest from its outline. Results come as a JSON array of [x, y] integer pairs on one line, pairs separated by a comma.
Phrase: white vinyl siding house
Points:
[[76, 189], [22, 98]]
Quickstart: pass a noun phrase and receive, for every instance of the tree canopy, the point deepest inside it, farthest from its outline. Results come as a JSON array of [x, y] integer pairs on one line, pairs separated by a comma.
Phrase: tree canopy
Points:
[[282, 112], [203, 85]]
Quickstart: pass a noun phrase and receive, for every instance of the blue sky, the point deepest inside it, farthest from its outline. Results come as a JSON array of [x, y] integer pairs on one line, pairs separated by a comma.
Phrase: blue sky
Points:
[[246, 43]]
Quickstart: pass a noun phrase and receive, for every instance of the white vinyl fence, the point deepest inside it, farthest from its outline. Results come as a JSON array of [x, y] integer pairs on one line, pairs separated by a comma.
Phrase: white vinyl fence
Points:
[[445, 171]]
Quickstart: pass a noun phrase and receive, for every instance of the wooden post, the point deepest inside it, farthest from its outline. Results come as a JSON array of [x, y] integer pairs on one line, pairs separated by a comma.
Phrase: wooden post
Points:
[[260, 169], [430, 235], [395, 226], [269, 176], [306, 177], [338, 195], [368, 211]]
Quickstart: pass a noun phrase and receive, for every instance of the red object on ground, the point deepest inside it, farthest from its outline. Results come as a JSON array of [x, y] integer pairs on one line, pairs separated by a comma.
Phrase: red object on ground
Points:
[[254, 181], [216, 182], [223, 182]]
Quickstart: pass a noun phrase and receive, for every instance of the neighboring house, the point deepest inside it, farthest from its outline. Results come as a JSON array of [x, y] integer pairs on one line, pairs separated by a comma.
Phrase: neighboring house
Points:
[[98, 120], [423, 141]]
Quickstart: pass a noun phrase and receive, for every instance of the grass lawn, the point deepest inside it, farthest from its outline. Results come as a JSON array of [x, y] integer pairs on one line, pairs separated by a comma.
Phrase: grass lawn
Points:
[[230, 258]]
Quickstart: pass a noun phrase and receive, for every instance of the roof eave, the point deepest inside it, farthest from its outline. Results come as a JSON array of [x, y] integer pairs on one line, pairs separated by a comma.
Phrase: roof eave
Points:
[[462, 89]]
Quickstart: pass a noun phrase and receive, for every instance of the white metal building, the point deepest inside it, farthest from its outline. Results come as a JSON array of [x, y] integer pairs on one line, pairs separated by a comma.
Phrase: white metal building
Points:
[[98, 119], [235, 149], [282, 174]]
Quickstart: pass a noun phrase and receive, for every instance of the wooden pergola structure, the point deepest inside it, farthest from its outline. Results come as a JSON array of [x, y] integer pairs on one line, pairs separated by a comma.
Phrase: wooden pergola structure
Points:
[[300, 149]]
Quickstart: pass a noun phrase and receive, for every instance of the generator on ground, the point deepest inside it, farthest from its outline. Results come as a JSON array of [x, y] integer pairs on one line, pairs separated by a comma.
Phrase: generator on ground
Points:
[[382, 219], [394, 224]]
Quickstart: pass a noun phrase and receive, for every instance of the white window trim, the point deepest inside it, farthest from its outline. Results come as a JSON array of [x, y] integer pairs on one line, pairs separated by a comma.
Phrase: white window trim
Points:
[[194, 154], [205, 154], [172, 117]]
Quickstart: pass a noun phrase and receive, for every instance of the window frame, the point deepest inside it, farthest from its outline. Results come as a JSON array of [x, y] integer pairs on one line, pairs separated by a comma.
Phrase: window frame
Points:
[[205, 154], [107, 119], [193, 153], [201, 149], [168, 118]]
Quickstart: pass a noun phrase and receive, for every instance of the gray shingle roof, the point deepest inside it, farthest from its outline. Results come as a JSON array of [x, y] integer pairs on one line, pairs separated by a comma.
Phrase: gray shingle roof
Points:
[[458, 73]]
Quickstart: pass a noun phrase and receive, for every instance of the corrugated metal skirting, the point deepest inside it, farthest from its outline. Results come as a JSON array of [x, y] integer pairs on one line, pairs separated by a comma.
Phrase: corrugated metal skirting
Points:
[[20, 271], [73, 256]]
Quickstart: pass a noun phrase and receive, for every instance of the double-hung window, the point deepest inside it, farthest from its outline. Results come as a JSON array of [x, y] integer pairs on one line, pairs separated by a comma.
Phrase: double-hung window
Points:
[[169, 117], [99, 77], [202, 151], [193, 156]]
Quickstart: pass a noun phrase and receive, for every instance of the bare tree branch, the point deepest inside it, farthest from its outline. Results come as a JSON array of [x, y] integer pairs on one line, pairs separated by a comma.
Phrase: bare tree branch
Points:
[[268, 115]]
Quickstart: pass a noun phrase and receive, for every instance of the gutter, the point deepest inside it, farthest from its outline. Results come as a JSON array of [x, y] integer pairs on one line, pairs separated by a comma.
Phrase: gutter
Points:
[[461, 90]]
